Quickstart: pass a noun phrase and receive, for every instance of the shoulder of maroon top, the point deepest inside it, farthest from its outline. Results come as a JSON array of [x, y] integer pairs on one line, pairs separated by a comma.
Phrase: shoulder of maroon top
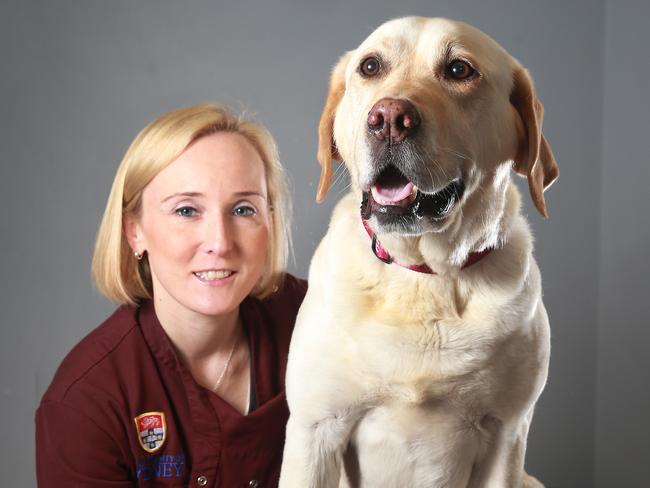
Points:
[[292, 284], [290, 293], [91, 350], [280, 308]]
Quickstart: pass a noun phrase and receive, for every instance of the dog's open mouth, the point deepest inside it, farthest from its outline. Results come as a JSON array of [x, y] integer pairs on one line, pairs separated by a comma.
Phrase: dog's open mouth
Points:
[[393, 197]]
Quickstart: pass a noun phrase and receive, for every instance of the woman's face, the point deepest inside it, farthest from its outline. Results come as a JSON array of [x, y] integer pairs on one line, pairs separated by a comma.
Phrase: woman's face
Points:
[[204, 224]]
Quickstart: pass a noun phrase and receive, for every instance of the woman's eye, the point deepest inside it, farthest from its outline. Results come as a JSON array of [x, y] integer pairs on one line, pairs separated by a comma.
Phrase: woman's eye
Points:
[[186, 211], [244, 211]]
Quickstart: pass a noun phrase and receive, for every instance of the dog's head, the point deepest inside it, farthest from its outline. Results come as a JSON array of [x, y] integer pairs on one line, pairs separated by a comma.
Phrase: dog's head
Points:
[[427, 113]]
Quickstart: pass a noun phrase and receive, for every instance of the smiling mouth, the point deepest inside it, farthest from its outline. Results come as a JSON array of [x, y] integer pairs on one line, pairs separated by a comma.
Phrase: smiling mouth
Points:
[[394, 199], [213, 275]]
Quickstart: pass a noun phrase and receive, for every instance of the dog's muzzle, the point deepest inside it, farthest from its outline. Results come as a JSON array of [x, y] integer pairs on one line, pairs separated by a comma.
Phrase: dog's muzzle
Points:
[[398, 204], [394, 198]]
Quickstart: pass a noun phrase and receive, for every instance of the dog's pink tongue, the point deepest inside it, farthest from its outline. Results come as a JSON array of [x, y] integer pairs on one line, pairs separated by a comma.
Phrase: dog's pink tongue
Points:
[[392, 195]]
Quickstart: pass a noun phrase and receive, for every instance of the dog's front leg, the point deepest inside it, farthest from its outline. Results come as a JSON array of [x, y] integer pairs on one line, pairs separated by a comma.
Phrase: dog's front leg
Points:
[[502, 465], [312, 453]]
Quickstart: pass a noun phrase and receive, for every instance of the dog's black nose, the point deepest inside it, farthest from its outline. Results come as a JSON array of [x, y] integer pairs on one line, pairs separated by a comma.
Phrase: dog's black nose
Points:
[[393, 120]]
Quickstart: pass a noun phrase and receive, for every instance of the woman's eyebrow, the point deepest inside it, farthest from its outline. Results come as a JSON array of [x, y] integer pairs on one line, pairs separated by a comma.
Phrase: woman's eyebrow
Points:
[[247, 193], [182, 194]]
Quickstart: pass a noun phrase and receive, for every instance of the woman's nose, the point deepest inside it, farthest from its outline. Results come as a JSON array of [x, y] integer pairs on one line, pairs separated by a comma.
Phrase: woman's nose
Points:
[[218, 235]]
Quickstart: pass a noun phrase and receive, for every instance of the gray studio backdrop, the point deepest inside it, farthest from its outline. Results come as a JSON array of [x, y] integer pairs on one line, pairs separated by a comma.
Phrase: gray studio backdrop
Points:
[[79, 79]]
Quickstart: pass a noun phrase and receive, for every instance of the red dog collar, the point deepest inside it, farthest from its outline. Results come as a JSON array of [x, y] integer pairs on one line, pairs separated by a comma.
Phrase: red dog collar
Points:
[[384, 256]]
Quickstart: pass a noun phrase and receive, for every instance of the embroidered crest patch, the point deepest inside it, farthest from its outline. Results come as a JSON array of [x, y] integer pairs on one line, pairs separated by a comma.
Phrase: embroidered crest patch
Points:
[[151, 429]]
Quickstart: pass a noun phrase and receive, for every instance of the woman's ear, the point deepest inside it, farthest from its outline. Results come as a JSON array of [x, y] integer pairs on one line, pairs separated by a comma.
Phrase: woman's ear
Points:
[[534, 158], [326, 144], [133, 233]]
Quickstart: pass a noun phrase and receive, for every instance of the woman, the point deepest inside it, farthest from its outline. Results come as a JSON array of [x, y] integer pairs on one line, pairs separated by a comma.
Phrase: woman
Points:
[[184, 384]]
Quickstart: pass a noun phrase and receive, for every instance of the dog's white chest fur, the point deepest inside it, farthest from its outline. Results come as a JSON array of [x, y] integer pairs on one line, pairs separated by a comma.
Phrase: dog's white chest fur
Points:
[[413, 419]]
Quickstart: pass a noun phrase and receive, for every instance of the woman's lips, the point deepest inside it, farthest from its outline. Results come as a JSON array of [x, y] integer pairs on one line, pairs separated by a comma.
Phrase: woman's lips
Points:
[[213, 274]]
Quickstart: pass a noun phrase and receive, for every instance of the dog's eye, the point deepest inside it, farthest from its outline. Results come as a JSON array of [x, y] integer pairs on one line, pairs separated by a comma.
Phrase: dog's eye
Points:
[[460, 70], [370, 66]]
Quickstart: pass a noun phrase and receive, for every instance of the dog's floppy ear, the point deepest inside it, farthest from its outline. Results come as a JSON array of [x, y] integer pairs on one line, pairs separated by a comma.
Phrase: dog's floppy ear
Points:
[[326, 145], [534, 158]]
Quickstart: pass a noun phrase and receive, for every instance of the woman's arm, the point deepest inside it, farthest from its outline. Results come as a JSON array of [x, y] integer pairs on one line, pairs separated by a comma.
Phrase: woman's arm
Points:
[[72, 449]]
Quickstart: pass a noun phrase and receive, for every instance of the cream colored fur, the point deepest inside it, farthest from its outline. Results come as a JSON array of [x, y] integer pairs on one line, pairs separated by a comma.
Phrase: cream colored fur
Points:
[[403, 379]]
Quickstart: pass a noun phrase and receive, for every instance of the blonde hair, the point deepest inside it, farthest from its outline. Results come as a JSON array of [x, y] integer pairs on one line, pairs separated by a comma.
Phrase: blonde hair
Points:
[[116, 272]]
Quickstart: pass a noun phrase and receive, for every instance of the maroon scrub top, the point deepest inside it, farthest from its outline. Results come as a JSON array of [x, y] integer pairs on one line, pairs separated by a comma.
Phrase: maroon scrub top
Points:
[[124, 411]]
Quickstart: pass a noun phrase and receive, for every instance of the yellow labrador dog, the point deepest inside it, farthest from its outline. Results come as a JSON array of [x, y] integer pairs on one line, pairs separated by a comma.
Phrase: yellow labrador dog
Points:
[[423, 344]]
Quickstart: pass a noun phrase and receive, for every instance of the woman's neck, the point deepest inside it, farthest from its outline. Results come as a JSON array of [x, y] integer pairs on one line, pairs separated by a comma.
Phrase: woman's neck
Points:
[[195, 336]]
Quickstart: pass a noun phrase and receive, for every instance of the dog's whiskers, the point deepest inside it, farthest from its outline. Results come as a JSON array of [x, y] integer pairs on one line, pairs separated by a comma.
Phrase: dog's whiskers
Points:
[[339, 173], [454, 152], [428, 162]]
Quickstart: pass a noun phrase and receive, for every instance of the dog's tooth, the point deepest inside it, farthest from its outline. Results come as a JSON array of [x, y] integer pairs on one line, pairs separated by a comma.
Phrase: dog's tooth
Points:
[[414, 194]]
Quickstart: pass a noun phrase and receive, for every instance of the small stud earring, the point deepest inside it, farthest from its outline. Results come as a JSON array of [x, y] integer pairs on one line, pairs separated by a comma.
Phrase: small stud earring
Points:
[[138, 256]]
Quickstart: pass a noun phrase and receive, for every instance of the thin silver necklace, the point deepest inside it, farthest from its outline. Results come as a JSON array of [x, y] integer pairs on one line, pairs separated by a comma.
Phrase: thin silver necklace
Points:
[[225, 367]]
